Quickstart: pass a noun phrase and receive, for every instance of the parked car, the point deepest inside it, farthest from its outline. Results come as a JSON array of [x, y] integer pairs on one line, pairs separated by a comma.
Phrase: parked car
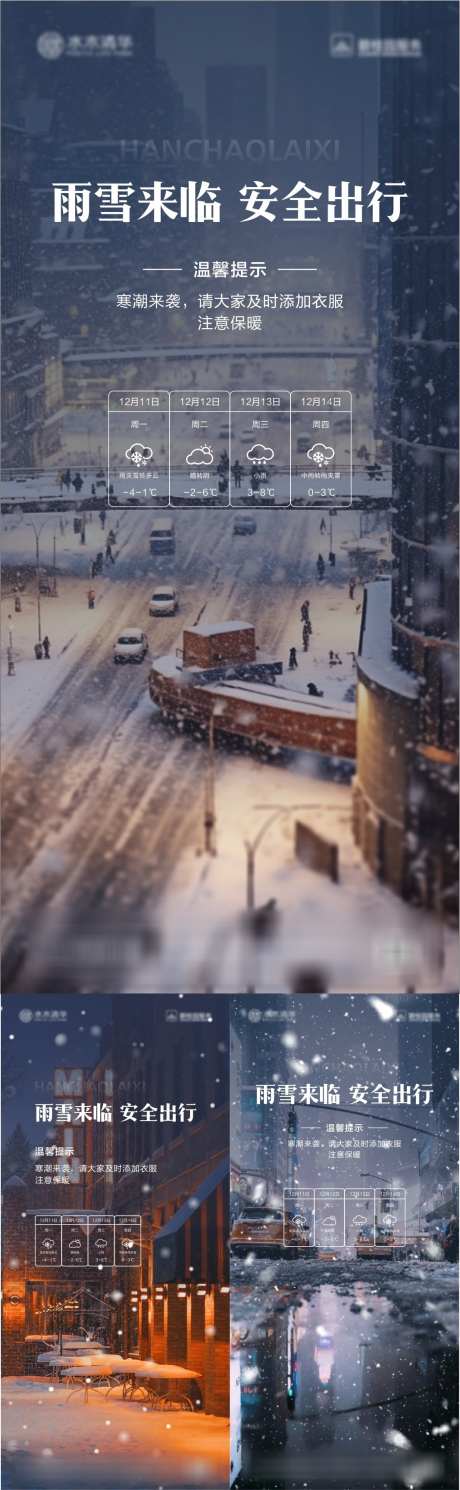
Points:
[[297, 1234], [131, 645], [270, 1231], [164, 601], [258, 1226], [382, 1245]]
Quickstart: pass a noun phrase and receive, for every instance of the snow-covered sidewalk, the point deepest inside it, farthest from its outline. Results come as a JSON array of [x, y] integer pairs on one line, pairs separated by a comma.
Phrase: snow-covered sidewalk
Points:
[[50, 1443], [70, 625], [354, 936]]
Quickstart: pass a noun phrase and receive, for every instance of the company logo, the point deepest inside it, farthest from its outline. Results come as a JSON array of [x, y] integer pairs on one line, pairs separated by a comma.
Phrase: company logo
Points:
[[342, 44], [50, 45]]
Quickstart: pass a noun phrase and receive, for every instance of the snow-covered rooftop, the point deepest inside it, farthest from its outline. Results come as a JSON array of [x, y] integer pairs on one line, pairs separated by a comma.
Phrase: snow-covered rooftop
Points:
[[375, 648], [216, 628], [264, 693]]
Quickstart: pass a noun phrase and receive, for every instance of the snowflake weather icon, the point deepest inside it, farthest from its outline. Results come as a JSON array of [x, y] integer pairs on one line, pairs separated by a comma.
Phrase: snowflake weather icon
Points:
[[139, 454], [321, 454]]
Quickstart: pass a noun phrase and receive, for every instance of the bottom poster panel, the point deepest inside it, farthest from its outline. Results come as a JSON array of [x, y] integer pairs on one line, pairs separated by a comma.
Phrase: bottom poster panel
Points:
[[115, 1242], [344, 1243]]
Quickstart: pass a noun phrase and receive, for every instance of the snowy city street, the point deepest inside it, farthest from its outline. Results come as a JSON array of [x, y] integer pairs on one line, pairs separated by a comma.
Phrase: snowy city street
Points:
[[353, 1354], [103, 805]]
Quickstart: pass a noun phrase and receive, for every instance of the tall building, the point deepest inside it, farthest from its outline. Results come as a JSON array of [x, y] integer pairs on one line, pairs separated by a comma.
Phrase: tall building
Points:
[[405, 816], [236, 103], [259, 1134]]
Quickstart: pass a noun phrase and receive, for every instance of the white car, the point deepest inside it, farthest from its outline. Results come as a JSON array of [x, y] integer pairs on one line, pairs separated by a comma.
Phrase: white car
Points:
[[131, 645], [163, 601]]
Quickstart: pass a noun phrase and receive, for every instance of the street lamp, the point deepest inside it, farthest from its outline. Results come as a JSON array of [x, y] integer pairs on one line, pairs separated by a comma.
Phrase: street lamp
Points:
[[209, 818], [11, 667], [251, 845], [38, 532]]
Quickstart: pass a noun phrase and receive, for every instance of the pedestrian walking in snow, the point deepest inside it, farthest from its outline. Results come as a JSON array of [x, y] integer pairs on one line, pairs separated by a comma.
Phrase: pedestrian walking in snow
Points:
[[351, 587], [320, 566], [305, 610], [103, 516], [322, 526], [46, 646], [334, 659], [77, 482], [91, 599], [306, 633], [66, 479], [109, 554], [292, 658]]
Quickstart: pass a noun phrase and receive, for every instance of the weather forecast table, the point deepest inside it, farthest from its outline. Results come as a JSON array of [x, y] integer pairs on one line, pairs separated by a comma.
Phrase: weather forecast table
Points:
[[87, 1239], [332, 1218], [265, 447]]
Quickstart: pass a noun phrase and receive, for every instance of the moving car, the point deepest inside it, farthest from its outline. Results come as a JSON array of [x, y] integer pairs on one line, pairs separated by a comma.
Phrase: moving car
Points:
[[162, 536], [163, 602], [131, 645], [243, 524]]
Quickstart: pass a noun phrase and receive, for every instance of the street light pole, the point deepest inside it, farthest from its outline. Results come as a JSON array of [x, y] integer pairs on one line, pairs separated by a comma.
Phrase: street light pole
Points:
[[252, 846], [37, 569], [250, 875], [11, 667], [210, 794], [37, 533]]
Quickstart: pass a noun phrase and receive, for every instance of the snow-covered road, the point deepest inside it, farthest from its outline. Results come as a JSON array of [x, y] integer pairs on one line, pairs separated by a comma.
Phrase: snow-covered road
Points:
[[101, 802]]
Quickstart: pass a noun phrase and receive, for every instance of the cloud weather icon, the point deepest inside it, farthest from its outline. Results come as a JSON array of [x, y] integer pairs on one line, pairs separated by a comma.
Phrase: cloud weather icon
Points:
[[139, 454], [260, 454], [201, 456], [321, 454]]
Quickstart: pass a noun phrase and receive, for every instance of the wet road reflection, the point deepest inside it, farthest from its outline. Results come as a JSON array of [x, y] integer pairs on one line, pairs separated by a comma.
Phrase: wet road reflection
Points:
[[339, 1391]]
